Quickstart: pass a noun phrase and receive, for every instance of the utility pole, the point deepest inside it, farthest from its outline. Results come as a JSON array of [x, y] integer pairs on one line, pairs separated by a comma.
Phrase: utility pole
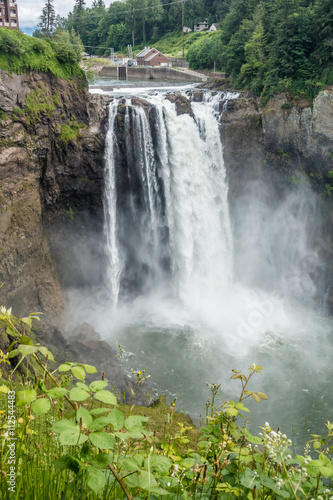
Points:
[[183, 3]]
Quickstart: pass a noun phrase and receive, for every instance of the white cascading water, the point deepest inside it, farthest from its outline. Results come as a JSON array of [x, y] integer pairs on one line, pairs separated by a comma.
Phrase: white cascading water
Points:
[[195, 296], [115, 263], [194, 192]]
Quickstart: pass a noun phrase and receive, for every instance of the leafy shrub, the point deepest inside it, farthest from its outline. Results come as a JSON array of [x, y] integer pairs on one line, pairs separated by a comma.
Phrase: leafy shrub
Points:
[[205, 51], [70, 130], [19, 52], [9, 43], [74, 441], [39, 45]]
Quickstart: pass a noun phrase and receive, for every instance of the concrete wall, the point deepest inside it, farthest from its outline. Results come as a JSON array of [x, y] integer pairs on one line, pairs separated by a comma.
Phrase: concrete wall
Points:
[[179, 62], [161, 74]]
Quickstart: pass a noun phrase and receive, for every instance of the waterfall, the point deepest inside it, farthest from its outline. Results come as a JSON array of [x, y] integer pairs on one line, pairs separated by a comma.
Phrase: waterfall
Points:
[[197, 296], [173, 222], [115, 263]]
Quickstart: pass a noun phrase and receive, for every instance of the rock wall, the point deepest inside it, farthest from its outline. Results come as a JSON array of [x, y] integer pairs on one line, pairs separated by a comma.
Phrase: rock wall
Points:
[[279, 139], [51, 179]]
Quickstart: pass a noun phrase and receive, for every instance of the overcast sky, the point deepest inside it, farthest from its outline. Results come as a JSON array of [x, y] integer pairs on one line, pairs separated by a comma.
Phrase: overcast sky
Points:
[[29, 10]]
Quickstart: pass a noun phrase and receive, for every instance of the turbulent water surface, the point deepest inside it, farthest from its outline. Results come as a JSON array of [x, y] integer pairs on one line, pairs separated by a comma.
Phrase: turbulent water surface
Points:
[[194, 290]]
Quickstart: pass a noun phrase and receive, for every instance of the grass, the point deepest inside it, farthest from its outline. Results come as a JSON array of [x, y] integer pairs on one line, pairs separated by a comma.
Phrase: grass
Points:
[[171, 45]]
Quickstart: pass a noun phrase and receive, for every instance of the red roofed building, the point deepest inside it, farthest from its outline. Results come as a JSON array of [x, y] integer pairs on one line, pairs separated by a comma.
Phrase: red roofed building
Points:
[[152, 57], [9, 14]]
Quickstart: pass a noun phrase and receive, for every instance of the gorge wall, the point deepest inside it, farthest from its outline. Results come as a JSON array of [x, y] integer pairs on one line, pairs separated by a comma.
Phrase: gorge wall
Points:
[[51, 176], [52, 135]]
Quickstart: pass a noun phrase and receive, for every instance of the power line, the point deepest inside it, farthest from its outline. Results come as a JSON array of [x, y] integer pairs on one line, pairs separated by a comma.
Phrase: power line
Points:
[[144, 8]]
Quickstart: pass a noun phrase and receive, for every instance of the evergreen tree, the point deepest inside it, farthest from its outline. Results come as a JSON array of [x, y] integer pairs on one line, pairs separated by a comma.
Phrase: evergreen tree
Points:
[[47, 22], [323, 37], [78, 16]]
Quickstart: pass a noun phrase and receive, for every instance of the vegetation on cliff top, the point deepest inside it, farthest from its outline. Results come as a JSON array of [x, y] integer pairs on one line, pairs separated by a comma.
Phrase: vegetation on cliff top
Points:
[[19, 53]]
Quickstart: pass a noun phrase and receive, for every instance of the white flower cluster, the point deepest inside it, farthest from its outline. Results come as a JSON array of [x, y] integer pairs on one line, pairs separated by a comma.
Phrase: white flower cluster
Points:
[[275, 444], [5, 312]]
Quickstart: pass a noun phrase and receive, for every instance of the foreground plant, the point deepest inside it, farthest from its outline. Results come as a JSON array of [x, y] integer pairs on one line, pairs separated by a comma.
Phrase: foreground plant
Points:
[[74, 442]]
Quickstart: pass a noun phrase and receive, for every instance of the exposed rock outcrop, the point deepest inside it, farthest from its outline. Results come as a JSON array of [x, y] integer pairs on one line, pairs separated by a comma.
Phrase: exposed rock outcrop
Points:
[[280, 138], [51, 155]]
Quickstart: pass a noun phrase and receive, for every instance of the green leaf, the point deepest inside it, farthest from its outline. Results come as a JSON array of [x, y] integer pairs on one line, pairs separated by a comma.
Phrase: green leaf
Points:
[[187, 463], [98, 385], [44, 350], [41, 406], [95, 479], [89, 368], [129, 464], [106, 397], [11, 332], [24, 339], [252, 439], [64, 368], [27, 321], [12, 345], [68, 462], [249, 479], [25, 350], [232, 412], [147, 482], [242, 407], [85, 415], [100, 423], [136, 432], [101, 460], [26, 396], [57, 392], [134, 421], [4, 388], [116, 419], [83, 386], [63, 425], [72, 437], [122, 435], [78, 372], [161, 464], [98, 411], [77, 394], [102, 440]]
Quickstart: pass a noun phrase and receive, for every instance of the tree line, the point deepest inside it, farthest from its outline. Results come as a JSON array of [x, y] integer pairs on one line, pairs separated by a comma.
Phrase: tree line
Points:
[[265, 46]]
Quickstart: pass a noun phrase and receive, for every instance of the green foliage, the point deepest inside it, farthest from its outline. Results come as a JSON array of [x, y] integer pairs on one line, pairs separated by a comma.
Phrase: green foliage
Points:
[[205, 52], [279, 47], [10, 43], [70, 131], [19, 53], [64, 449], [39, 102]]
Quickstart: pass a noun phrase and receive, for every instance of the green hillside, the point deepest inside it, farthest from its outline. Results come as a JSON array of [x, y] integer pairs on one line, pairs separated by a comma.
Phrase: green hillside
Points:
[[20, 52]]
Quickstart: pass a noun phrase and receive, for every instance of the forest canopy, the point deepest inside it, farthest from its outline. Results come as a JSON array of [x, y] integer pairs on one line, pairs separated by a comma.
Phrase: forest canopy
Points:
[[265, 46]]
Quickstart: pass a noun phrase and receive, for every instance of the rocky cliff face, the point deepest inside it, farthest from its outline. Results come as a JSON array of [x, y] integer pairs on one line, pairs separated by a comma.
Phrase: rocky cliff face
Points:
[[51, 176], [282, 137]]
